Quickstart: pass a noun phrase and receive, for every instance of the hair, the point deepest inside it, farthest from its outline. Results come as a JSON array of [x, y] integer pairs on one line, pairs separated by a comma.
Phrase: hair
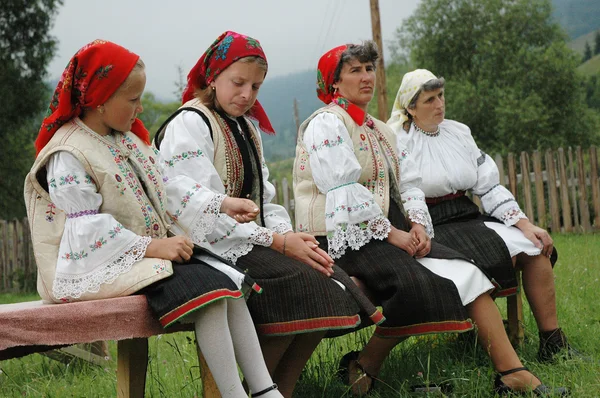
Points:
[[365, 52], [430, 85], [208, 96]]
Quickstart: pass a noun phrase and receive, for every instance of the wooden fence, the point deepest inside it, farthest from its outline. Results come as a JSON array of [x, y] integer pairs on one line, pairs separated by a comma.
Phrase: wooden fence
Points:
[[558, 190]]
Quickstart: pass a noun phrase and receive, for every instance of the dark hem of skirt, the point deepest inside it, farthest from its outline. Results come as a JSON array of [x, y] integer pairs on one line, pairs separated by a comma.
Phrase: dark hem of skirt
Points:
[[185, 309], [309, 325], [425, 328]]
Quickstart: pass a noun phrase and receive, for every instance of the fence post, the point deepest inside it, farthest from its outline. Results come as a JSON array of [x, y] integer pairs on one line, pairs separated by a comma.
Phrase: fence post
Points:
[[564, 191], [573, 189], [539, 189], [583, 198], [500, 165], [526, 182], [512, 175], [5, 254], [595, 185], [277, 194], [286, 194], [552, 191]]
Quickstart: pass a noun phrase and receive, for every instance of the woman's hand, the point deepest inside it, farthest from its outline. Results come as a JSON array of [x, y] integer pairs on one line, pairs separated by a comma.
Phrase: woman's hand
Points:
[[305, 248], [241, 210], [177, 248], [423, 241], [540, 237], [403, 240]]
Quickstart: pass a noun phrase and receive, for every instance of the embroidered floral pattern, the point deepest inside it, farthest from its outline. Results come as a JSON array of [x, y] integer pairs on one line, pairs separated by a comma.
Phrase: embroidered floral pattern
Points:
[[115, 231], [349, 209], [188, 195], [326, 144], [183, 156], [223, 48], [98, 244], [159, 268], [282, 228], [82, 213], [68, 180], [75, 255], [512, 215], [422, 217], [226, 235], [88, 179], [53, 183], [363, 146], [303, 160], [102, 72], [50, 211]]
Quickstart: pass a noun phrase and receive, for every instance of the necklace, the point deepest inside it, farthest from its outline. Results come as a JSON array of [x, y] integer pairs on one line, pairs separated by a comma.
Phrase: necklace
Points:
[[429, 133]]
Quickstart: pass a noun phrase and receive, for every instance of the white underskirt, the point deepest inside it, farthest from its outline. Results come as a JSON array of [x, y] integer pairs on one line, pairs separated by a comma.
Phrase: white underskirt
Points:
[[514, 239], [468, 279]]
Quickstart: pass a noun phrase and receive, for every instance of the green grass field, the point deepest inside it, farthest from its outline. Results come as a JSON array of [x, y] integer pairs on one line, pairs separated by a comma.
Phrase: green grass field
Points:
[[173, 370]]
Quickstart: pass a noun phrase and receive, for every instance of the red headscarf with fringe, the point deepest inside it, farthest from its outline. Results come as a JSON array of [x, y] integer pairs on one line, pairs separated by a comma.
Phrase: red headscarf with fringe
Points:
[[328, 63], [94, 73], [227, 49]]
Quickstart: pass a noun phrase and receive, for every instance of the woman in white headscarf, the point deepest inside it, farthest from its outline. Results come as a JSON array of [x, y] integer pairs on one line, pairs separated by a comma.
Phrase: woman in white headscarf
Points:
[[451, 164]]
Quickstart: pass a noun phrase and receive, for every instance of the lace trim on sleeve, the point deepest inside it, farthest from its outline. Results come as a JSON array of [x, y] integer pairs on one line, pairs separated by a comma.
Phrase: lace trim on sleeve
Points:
[[422, 217], [261, 236], [206, 218], [282, 228], [356, 236], [75, 287]]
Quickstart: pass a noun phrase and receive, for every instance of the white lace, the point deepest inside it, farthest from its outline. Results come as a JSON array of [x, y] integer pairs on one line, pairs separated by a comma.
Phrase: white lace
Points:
[[422, 217], [261, 236], [76, 286], [356, 236], [283, 228], [206, 218], [512, 216]]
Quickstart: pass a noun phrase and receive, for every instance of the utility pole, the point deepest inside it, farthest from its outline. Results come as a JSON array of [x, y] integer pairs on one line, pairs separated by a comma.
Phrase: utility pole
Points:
[[382, 113]]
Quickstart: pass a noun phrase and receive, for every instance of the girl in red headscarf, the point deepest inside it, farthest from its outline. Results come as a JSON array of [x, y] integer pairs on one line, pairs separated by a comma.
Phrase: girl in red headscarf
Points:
[[97, 206], [358, 190], [212, 145]]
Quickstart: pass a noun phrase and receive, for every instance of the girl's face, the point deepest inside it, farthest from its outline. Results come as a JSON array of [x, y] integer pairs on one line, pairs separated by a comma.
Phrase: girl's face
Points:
[[430, 109], [357, 82], [125, 104], [237, 86]]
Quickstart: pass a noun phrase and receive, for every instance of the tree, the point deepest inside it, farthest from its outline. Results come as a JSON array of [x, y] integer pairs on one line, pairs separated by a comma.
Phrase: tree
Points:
[[25, 50], [509, 74], [587, 52], [597, 43]]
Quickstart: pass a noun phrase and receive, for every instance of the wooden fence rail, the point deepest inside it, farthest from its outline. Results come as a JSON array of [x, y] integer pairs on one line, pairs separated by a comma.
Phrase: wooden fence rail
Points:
[[558, 190]]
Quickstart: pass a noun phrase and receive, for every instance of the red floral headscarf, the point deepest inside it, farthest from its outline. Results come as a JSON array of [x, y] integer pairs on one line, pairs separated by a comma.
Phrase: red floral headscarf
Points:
[[328, 63], [94, 73], [227, 49]]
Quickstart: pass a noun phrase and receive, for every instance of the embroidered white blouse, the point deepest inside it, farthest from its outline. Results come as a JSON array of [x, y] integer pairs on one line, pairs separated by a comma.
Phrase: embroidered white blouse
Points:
[[336, 172], [451, 162], [195, 193], [95, 248]]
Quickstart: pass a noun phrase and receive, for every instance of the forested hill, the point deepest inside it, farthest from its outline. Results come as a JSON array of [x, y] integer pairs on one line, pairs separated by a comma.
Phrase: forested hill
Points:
[[277, 97], [577, 17]]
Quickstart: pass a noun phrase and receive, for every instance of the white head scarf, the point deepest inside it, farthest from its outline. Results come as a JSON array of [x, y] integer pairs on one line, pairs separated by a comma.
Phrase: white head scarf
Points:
[[411, 83]]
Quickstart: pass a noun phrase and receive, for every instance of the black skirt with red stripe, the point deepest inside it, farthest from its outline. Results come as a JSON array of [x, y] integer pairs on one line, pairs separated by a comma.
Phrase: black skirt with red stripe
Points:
[[192, 286]]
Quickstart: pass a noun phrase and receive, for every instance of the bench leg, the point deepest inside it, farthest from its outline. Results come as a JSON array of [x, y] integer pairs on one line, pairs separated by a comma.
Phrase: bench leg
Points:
[[131, 368], [209, 386], [514, 308]]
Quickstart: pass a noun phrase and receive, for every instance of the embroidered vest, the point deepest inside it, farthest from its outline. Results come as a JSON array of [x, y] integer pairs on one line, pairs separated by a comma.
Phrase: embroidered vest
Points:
[[228, 159], [375, 149], [142, 212]]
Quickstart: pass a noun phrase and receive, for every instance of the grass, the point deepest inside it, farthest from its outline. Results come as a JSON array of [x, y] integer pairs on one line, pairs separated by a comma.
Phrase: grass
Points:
[[590, 67], [173, 370]]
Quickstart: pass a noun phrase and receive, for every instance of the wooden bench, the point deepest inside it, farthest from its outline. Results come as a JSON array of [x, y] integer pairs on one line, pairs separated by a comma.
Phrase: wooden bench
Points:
[[36, 327]]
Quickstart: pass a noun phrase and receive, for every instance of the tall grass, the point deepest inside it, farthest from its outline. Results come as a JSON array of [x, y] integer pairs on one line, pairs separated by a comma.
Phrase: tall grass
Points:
[[173, 369]]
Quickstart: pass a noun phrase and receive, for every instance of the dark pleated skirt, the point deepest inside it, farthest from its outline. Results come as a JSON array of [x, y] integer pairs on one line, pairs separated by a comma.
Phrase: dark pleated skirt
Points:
[[192, 286], [460, 226], [414, 300], [298, 299]]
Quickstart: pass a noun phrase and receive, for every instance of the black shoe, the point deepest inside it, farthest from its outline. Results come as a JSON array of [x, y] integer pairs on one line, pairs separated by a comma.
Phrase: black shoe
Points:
[[344, 373], [540, 391], [555, 342]]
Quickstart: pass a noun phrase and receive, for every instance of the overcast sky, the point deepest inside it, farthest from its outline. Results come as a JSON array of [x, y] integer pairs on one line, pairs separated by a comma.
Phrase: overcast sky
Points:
[[166, 33]]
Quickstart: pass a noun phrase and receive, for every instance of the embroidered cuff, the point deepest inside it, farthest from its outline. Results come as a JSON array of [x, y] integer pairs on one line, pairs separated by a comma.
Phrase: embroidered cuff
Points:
[[206, 218], [422, 217], [261, 236], [356, 236], [511, 216]]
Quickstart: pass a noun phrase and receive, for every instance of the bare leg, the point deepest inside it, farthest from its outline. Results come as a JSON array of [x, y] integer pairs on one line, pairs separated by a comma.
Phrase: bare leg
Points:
[[494, 340], [538, 283], [290, 366]]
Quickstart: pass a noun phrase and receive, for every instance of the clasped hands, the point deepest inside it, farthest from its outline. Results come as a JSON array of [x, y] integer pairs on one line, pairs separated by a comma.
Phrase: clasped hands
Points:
[[416, 242]]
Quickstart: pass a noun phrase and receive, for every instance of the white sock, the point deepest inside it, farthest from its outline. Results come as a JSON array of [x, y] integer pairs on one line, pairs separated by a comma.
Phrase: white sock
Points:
[[247, 349], [214, 340]]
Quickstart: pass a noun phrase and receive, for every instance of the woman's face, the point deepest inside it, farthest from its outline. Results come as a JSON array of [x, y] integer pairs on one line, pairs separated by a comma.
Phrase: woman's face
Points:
[[430, 109], [125, 104], [357, 82], [237, 86]]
